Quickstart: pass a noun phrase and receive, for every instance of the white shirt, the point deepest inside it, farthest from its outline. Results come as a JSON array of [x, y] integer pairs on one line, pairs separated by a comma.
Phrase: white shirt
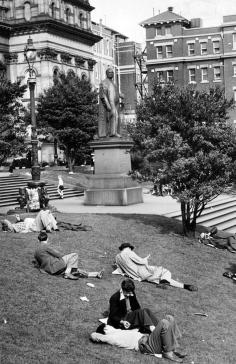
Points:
[[127, 339]]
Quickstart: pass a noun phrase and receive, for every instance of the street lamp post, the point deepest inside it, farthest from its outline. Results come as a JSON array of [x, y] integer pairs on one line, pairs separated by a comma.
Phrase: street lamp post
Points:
[[30, 55]]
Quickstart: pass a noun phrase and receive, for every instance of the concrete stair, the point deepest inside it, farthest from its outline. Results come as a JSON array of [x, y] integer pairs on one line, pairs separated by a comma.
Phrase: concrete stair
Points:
[[9, 190], [221, 213]]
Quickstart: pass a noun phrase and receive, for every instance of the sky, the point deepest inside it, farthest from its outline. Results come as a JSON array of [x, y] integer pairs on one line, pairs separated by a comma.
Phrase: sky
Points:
[[124, 16]]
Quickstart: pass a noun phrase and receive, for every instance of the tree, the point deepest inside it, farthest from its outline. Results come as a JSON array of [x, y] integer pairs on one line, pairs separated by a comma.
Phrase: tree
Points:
[[12, 127], [69, 110], [185, 139]]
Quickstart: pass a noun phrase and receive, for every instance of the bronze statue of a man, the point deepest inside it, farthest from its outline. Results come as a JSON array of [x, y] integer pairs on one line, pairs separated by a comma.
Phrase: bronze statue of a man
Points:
[[109, 107]]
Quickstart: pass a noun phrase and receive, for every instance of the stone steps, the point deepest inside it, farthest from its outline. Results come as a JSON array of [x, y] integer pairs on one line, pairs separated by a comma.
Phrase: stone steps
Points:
[[221, 213], [9, 190]]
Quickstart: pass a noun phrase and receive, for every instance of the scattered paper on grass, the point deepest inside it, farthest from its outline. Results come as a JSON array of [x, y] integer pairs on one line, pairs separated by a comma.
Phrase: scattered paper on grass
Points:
[[4, 321], [84, 299], [201, 314], [90, 285]]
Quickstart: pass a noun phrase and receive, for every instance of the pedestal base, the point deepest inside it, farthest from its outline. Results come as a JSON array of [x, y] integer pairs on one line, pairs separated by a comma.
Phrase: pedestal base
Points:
[[111, 185], [114, 197]]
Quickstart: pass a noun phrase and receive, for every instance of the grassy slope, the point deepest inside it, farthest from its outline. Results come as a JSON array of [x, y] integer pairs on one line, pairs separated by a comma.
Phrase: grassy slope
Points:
[[48, 323]]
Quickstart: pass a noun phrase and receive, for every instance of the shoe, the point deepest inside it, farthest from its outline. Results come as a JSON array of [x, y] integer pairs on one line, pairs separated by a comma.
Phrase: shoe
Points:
[[70, 276], [172, 357], [180, 355], [80, 274], [191, 287], [100, 274]]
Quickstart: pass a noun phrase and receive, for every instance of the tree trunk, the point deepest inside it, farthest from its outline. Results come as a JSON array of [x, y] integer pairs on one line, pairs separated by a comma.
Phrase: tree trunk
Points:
[[188, 224]]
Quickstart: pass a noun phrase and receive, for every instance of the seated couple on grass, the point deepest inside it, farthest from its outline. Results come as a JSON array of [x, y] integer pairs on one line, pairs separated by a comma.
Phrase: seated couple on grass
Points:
[[130, 264], [131, 327], [51, 261], [44, 220], [219, 239]]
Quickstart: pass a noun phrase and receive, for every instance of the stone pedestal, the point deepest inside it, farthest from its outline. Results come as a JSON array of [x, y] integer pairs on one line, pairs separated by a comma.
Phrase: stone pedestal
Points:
[[111, 185]]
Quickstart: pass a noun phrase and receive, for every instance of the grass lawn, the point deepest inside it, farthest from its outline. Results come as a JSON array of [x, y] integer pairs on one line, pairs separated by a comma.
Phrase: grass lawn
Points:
[[43, 320]]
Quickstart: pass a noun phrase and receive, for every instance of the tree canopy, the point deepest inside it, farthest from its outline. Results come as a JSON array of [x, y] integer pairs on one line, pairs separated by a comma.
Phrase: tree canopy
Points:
[[12, 127], [183, 137], [69, 110]]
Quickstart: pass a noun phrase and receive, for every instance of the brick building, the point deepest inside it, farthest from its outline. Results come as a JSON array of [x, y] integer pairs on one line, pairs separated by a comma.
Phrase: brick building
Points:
[[183, 51]]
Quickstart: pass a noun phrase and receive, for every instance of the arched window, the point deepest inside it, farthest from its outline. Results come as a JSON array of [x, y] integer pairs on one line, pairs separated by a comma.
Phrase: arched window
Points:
[[27, 11], [67, 15], [53, 10], [84, 77]]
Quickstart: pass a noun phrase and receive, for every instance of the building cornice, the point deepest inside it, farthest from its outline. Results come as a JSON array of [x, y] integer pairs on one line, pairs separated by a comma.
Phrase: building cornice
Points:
[[219, 57], [46, 24], [84, 4]]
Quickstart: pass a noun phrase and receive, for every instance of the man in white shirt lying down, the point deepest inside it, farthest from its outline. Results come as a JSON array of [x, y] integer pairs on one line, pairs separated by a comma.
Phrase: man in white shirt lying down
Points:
[[162, 340]]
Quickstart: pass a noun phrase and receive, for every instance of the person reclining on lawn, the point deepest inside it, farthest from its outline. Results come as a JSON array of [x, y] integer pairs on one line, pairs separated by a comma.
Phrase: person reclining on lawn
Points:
[[219, 239], [162, 340], [129, 263], [51, 261], [44, 220]]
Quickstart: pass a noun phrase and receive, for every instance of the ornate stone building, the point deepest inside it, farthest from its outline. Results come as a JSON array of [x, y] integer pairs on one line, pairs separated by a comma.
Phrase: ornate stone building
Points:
[[61, 32]]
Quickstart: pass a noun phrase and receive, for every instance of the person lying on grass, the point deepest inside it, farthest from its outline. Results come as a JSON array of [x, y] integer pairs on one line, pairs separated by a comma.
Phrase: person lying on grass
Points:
[[162, 340], [43, 220], [130, 264], [125, 311], [219, 239], [51, 261]]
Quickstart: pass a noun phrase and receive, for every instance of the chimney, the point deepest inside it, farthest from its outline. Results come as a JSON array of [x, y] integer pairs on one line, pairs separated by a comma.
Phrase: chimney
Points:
[[170, 8]]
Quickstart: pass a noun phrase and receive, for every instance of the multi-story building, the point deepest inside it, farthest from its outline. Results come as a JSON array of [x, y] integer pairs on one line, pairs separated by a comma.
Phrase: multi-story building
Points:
[[183, 51], [61, 33]]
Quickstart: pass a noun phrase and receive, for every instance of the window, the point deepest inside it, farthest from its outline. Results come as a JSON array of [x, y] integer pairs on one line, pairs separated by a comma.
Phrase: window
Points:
[[81, 20], [217, 75], [234, 70], [203, 48], [168, 30], [67, 15], [159, 52], [234, 41], [55, 73], [216, 46], [53, 10], [160, 75], [191, 49], [169, 52], [234, 97], [27, 11], [170, 76], [204, 74], [192, 75]]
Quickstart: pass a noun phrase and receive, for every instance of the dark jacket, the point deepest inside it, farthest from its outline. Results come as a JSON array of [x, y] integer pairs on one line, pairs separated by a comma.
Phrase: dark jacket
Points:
[[118, 311], [49, 259]]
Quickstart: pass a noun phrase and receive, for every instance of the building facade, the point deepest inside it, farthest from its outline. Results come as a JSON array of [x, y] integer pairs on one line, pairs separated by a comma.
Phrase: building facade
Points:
[[182, 51], [61, 33]]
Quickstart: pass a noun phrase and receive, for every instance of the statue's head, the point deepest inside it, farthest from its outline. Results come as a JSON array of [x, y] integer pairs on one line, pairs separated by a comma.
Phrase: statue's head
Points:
[[110, 72]]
